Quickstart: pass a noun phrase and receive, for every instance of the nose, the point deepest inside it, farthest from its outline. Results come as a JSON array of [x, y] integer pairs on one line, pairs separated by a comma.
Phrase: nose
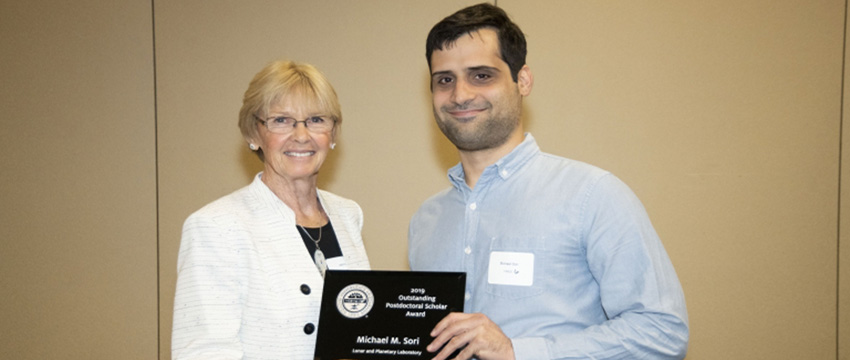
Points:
[[463, 92], [300, 132]]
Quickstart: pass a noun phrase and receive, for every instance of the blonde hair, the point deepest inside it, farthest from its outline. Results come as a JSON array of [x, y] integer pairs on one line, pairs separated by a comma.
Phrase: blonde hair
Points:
[[300, 82]]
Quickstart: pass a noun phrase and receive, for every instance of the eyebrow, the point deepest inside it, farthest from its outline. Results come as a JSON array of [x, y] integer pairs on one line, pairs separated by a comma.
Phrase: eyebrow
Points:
[[291, 115], [445, 72], [483, 67], [469, 69]]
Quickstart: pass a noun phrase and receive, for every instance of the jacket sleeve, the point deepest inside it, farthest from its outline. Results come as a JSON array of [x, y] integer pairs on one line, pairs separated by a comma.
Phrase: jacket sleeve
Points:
[[208, 303]]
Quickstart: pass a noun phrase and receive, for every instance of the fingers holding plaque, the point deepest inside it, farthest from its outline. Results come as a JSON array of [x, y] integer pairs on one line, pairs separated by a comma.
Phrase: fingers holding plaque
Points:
[[381, 315]]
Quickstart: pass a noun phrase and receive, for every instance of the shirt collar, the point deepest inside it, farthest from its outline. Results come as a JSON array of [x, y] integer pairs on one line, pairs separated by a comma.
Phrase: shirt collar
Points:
[[504, 167]]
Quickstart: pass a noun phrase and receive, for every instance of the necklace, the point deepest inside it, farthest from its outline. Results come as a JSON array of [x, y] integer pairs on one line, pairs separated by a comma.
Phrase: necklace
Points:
[[318, 256]]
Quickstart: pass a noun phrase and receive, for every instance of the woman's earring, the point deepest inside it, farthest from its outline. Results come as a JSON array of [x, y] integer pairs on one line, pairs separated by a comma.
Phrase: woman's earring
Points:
[[333, 145], [253, 147]]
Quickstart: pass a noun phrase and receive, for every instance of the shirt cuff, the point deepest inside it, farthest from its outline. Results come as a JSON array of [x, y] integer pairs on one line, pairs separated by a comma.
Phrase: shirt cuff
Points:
[[533, 348]]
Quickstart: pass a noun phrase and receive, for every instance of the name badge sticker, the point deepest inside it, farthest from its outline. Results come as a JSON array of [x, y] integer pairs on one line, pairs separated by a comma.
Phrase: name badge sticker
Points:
[[336, 263], [511, 268]]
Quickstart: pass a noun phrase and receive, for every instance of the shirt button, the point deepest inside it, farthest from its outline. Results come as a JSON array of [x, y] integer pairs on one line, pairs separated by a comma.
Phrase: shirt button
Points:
[[473, 206], [468, 250], [305, 289], [504, 173], [309, 328], [467, 296]]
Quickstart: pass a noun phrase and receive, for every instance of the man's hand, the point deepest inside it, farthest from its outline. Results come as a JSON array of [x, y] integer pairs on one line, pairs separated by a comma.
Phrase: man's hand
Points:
[[475, 333]]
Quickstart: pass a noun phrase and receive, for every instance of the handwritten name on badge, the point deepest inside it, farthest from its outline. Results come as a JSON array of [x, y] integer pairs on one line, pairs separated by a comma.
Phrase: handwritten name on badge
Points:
[[511, 268]]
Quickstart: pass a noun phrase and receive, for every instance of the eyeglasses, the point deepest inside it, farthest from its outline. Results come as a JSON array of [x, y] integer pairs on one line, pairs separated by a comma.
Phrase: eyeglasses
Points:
[[286, 125]]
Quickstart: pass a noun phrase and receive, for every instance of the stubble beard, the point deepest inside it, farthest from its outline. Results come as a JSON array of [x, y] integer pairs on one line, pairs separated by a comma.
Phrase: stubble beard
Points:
[[481, 134]]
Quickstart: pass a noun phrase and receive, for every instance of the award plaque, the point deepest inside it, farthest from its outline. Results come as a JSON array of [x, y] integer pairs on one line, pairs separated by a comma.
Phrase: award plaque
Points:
[[382, 315]]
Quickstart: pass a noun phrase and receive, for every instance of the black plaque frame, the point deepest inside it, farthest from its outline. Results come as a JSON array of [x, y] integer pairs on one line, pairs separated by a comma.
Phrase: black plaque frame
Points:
[[405, 306]]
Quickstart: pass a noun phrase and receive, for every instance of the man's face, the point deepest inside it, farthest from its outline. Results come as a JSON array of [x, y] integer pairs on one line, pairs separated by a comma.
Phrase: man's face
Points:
[[477, 104]]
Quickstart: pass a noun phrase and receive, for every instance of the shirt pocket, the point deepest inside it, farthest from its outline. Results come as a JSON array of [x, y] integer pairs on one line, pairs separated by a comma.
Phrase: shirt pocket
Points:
[[520, 254]]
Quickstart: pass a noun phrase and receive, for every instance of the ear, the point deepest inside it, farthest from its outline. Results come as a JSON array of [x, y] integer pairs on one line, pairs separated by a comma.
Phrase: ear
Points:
[[525, 80], [253, 142], [334, 133]]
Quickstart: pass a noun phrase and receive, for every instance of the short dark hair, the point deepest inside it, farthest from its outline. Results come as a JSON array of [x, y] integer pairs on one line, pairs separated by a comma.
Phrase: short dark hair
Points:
[[512, 44]]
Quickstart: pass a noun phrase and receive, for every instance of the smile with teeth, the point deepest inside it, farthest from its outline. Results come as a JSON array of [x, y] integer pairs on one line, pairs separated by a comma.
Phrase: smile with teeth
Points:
[[299, 153]]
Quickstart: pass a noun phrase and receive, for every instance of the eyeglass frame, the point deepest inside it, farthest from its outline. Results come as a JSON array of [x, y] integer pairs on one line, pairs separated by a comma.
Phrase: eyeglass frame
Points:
[[295, 124]]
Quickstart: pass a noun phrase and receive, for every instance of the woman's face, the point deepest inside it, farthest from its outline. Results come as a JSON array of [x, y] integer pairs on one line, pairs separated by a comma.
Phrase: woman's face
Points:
[[298, 154]]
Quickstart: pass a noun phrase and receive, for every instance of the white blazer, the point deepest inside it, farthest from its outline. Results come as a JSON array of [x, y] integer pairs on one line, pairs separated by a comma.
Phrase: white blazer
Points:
[[246, 286]]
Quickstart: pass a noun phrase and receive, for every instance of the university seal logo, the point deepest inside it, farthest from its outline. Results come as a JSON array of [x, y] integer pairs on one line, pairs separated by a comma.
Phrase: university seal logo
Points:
[[355, 301]]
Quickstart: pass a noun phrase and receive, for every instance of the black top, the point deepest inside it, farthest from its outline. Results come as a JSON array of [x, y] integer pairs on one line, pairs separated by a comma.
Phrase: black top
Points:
[[328, 244]]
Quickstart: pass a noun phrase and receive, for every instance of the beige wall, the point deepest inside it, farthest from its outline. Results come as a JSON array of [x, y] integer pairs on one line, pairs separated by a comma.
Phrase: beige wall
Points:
[[844, 227], [724, 117], [78, 199]]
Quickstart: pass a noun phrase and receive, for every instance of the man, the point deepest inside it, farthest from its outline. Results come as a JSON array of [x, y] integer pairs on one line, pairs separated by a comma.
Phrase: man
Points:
[[561, 259]]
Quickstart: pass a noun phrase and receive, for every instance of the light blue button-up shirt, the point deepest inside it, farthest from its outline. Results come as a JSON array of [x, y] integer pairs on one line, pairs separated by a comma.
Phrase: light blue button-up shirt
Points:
[[560, 254]]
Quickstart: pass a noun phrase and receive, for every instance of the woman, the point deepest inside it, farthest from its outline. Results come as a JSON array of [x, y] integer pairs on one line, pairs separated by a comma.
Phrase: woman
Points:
[[251, 264]]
